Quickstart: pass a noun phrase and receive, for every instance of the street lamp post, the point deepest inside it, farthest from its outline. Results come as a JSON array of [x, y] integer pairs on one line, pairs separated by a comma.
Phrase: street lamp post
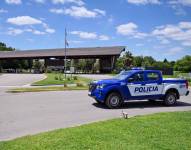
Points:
[[65, 63]]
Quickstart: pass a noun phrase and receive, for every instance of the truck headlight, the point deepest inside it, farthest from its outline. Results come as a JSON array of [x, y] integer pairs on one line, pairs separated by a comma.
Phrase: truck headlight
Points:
[[100, 86]]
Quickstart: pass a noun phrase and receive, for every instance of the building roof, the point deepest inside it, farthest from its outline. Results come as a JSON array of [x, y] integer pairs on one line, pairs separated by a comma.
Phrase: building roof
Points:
[[89, 52]]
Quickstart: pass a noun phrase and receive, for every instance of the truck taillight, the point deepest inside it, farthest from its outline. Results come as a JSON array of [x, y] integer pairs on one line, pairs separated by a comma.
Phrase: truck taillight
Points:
[[187, 84]]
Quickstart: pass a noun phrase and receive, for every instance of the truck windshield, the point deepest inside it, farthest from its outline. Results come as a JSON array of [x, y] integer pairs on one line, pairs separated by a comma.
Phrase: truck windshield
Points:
[[123, 75]]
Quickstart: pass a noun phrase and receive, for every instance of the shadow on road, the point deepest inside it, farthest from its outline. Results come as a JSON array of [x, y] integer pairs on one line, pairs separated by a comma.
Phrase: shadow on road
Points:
[[142, 104]]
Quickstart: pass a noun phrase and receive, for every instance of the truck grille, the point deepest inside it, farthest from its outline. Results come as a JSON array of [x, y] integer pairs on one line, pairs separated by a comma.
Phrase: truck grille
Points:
[[92, 87]]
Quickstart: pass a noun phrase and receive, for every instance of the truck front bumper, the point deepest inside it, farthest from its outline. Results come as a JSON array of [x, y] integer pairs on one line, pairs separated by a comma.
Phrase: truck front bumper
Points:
[[97, 94]]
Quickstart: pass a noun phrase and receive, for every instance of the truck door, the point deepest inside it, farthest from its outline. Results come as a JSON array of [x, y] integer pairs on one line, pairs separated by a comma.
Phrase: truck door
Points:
[[153, 84], [145, 85], [135, 85]]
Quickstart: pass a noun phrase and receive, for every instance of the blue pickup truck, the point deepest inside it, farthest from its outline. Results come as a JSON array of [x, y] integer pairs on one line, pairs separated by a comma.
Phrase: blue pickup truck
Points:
[[138, 85]]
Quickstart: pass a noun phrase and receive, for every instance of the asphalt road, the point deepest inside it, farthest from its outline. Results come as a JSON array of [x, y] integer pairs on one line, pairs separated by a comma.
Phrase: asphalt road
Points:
[[30, 113]]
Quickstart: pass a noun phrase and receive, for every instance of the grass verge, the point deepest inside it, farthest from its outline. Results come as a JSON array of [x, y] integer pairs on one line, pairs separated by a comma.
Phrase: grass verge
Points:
[[45, 89], [58, 79], [159, 131]]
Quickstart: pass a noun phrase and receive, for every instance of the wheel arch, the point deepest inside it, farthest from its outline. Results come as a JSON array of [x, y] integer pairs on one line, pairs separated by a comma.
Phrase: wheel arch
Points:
[[174, 90], [113, 91]]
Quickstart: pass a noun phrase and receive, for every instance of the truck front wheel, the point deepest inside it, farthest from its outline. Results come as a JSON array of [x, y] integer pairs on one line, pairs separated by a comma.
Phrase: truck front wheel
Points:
[[113, 100], [170, 99]]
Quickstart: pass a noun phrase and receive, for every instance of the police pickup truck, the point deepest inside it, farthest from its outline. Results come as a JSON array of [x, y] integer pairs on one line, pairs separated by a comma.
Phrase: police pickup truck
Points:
[[138, 85]]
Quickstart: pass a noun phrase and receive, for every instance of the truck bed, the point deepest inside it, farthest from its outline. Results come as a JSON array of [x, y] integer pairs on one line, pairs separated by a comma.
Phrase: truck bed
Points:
[[174, 80]]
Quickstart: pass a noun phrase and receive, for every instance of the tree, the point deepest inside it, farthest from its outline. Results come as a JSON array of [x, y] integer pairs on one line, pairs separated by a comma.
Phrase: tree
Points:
[[183, 64], [148, 61], [38, 66], [165, 60], [137, 61], [3, 47], [125, 61]]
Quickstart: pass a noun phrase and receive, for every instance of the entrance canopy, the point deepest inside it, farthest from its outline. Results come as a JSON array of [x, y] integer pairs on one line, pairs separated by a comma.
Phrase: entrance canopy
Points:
[[71, 53]]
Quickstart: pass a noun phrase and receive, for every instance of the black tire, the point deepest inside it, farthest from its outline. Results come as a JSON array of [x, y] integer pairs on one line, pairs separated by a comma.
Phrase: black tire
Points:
[[170, 99], [113, 100]]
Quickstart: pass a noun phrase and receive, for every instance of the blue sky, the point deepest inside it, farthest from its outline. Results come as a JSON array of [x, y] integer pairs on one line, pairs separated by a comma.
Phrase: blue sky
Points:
[[157, 28]]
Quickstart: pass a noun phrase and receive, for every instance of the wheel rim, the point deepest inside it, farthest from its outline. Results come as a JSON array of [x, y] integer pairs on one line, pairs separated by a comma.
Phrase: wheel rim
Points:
[[114, 101], [171, 99]]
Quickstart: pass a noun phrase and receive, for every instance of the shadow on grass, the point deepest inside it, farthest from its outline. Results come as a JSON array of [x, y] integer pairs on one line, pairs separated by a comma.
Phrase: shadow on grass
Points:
[[143, 104]]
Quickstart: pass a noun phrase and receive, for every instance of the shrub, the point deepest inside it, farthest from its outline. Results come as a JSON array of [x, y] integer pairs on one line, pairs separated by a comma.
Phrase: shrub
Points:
[[79, 84], [60, 77], [56, 77], [68, 78], [75, 78]]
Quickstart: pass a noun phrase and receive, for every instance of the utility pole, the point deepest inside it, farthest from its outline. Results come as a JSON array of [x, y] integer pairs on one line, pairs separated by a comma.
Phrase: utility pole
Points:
[[65, 63]]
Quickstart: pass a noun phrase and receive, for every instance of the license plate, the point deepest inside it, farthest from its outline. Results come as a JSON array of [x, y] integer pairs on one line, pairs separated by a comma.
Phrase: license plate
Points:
[[89, 93]]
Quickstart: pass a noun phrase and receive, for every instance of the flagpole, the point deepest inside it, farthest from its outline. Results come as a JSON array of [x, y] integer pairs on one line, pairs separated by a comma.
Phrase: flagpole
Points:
[[65, 55]]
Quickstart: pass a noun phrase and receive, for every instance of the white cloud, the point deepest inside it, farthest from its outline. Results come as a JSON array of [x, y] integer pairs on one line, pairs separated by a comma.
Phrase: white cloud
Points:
[[78, 2], [79, 12], [12, 31], [104, 38], [57, 11], [130, 29], [187, 43], [85, 35], [82, 12], [23, 20], [174, 51], [178, 6], [127, 29], [27, 21], [182, 2], [143, 2], [40, 1], [180, 32], [75, 42], [185, 25], [101, 12], [164, 41], [3, 10], [179, 10], [90, 35], [13, 2], [49, 30]]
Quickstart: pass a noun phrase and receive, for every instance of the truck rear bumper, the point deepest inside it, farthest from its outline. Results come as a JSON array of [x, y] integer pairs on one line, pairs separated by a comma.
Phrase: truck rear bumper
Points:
[[187, 93]]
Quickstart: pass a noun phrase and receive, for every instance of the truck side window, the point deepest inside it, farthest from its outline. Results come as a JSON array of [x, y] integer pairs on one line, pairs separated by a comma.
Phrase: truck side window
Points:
[[138, 77], [152, 76]]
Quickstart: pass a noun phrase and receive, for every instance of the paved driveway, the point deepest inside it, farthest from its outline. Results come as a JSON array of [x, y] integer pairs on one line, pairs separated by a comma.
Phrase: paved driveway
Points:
[[29, 113], [19, 79]]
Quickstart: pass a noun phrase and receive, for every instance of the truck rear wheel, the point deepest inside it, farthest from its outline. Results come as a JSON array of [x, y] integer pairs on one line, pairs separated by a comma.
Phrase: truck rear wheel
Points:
[[170, 99], [113, 100]]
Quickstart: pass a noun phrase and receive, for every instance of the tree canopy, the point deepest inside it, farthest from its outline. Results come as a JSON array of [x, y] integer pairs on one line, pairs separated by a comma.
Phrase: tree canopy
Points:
[[3, 47]]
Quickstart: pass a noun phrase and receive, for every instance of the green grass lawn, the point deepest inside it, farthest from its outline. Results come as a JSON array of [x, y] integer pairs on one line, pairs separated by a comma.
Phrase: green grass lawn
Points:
[[51, 80], [46, 89], [159, 131]]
